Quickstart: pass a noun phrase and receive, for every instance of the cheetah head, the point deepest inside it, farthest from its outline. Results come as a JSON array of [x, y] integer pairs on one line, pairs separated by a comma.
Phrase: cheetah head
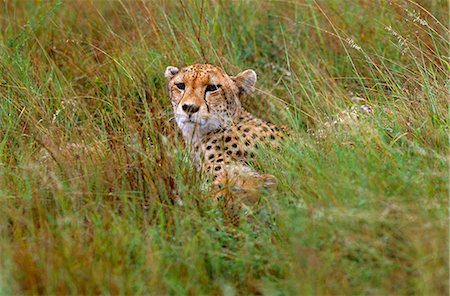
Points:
[[204, 98]]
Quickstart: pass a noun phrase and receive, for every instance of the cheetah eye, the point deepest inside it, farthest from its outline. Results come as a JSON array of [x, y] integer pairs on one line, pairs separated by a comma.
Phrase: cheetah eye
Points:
[[213, 87], [180, 86]]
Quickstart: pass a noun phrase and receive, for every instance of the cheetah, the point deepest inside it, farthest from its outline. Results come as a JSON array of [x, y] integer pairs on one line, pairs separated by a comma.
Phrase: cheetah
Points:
[[222, 136]]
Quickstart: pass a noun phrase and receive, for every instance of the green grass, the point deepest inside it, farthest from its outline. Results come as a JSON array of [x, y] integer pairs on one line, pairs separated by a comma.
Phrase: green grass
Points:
[[92, 164]]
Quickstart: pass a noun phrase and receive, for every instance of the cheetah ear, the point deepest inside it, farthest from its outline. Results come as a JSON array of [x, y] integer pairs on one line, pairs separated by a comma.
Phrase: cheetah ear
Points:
[[245, 81], [171, 71]]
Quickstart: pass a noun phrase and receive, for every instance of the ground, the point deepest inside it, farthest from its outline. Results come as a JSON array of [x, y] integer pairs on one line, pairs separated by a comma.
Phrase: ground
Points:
[[98, 194]]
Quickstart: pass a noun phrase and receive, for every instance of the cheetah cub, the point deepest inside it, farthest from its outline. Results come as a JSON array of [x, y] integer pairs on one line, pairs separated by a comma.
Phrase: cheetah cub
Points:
[[222, 136]]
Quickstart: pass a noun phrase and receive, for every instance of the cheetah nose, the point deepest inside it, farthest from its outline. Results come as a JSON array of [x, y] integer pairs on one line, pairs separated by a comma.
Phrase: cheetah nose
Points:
[[190, 109]]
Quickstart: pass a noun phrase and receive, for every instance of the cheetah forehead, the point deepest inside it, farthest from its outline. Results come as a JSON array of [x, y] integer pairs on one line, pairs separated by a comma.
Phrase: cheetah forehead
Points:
[[203, 69], [205, 73]]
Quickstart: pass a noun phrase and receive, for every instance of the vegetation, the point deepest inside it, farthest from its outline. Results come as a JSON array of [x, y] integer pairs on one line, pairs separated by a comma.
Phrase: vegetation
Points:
[[93, 169]]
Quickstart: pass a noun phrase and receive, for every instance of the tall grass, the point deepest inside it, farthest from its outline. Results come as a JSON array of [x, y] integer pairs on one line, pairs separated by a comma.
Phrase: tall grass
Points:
[[92, 167]]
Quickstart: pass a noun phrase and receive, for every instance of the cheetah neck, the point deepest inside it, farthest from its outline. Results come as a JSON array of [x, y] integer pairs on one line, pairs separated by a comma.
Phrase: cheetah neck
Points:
[[193, 133]]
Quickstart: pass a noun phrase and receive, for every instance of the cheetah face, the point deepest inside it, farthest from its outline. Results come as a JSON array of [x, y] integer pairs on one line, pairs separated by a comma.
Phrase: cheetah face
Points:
[[204, 98]]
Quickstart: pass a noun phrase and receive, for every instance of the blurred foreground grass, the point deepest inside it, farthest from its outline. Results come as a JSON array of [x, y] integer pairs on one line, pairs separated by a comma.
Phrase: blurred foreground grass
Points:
[[91, 162]]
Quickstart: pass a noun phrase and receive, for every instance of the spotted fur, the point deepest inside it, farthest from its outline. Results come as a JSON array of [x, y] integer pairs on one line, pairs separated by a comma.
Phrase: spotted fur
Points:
[[222, 136]]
